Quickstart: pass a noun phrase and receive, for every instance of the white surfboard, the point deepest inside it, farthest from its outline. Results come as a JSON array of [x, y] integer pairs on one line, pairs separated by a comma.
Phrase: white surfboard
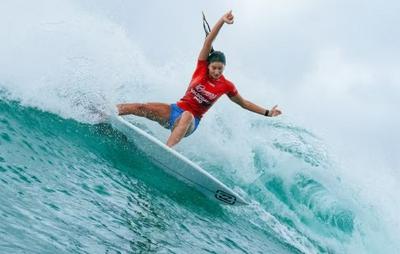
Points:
[[176, 164]]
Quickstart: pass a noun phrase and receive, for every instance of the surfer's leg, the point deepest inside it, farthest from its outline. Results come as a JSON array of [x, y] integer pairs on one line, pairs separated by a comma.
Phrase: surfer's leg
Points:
[[154, 111], [182, 125]]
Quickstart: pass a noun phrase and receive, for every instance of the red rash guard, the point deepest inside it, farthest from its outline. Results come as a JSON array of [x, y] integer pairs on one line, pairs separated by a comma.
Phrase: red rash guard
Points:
[[204, 91]]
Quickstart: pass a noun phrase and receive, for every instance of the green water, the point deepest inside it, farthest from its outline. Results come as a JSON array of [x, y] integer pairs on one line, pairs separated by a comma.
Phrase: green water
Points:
[[68, 187], [72, 187]]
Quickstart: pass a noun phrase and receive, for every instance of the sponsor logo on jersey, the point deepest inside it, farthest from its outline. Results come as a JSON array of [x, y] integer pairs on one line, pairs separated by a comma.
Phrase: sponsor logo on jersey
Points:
[[202, 96]]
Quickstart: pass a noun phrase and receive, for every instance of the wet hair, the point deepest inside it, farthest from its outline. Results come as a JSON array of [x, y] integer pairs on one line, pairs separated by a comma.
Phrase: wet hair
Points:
[[216, 56]]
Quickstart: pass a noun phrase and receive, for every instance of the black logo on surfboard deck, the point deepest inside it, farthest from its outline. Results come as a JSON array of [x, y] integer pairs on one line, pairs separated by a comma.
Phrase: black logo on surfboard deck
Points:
[[225, 197]]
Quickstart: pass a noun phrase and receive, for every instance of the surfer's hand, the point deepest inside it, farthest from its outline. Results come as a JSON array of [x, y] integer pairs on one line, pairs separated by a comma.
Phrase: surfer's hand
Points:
[[274, 111], [228, 17]]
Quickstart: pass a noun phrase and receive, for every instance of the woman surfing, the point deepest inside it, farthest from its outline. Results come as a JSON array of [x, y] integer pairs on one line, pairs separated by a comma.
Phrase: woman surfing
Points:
[[207, 85]]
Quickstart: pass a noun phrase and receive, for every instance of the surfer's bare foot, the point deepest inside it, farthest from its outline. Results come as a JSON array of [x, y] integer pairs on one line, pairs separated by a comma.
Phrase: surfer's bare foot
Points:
[[119, 109]]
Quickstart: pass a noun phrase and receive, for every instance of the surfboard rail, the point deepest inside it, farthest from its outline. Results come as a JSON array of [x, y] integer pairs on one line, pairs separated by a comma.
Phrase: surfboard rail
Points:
[[177, 165]]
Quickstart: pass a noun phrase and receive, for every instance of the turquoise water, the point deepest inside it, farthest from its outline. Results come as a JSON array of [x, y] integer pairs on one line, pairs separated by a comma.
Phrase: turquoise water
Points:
[[70, 187]]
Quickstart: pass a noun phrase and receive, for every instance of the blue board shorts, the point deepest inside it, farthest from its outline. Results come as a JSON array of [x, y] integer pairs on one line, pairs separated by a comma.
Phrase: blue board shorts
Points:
[[176, 112]]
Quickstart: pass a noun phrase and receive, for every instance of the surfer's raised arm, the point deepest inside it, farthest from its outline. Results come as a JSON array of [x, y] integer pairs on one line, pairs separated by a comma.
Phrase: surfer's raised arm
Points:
[[238, 99], [205, 51], [207, 85]]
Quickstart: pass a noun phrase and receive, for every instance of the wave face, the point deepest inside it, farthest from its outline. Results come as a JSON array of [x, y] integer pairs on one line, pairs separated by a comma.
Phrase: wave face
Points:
[[69, 187], [70, 184], [77, 187]]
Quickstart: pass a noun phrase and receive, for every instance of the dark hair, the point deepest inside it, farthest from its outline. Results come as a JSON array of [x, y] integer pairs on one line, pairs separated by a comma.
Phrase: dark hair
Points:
[[216, 56]]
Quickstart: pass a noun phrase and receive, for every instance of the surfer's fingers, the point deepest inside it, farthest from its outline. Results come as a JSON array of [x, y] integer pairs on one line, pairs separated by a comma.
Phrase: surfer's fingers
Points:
[[275, 112]]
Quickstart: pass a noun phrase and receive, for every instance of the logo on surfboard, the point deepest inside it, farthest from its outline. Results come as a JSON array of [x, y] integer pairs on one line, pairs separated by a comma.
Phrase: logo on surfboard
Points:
[[225, 197]]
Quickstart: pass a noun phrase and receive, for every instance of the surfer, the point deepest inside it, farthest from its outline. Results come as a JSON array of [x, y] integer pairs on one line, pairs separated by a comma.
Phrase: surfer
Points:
[[207, 85]]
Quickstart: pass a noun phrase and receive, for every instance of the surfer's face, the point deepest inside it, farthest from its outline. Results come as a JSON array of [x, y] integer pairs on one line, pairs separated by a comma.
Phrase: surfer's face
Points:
[[215, 69]]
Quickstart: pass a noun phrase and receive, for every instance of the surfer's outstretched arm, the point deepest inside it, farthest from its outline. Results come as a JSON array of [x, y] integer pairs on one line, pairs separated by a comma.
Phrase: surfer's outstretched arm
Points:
[[205, 51], [238, 99]]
